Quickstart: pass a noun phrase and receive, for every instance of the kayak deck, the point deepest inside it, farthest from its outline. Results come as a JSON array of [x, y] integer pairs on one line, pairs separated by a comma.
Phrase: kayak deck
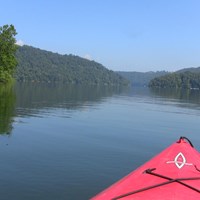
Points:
[[172, 174]]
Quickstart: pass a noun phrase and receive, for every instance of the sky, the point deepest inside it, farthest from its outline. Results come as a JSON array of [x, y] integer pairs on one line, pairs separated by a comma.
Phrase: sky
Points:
[[123, 35]]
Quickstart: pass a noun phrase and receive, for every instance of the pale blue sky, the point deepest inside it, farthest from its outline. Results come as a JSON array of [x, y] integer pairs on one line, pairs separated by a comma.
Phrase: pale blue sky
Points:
[[126, 35]]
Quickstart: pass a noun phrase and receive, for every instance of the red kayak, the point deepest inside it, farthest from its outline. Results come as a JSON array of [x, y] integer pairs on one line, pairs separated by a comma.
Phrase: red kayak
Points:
[[172, 174]]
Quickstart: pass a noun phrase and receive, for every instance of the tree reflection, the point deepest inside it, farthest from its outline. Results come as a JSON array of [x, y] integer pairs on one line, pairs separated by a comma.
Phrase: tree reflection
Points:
[[7, 108], [34, 98], [181, 95]]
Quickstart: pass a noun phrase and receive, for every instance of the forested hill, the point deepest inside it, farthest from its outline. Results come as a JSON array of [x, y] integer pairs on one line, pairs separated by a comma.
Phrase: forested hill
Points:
[[141, 78], [192, 69], [43, 66], [180, 79]]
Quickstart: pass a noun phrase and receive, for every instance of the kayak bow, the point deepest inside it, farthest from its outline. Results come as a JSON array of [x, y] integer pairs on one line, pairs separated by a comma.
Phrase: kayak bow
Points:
[[172, 174]]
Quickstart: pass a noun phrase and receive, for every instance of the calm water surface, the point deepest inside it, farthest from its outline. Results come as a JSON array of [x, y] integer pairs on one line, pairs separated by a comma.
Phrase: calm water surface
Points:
[[70, 142]]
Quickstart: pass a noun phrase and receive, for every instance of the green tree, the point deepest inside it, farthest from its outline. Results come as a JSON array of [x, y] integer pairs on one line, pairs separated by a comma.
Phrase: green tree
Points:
[[8, 48]]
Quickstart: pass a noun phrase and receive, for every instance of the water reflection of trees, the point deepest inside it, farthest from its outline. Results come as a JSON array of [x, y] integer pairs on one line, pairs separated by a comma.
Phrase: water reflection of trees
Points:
[[179, 95], [32, 98], [7, 108]]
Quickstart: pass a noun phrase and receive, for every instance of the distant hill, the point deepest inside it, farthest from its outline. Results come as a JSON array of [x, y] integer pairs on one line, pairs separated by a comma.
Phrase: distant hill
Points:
[[192, 69], [141, 78], [188, 78], [38, 65]]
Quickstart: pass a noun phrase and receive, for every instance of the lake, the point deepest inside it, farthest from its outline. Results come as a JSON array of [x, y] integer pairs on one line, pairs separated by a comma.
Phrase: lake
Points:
[[70, 142]]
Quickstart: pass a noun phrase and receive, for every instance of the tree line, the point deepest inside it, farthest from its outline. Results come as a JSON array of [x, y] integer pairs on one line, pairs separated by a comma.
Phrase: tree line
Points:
[[185, 79], [38, 65]]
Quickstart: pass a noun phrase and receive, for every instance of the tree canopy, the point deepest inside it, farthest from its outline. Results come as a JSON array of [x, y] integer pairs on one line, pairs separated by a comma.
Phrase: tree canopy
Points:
[[185, 79], [38, 65], [7, 52]]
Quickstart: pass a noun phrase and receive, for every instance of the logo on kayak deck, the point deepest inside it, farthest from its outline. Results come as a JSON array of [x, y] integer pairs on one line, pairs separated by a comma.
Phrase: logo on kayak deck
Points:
[[179, 161]]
